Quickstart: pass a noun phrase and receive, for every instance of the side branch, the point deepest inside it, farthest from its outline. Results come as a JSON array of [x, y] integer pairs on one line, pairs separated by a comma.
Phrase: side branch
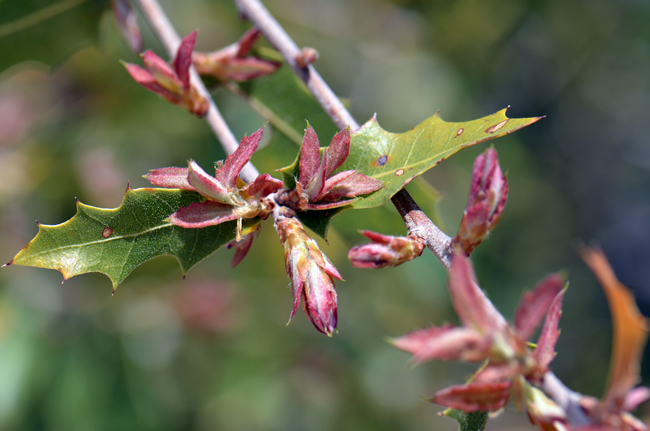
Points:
[[170, 40], [416, 221], [421, 226]]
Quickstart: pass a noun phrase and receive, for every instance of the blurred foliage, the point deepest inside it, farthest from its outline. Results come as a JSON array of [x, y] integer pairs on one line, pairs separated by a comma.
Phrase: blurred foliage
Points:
[[212, 351]]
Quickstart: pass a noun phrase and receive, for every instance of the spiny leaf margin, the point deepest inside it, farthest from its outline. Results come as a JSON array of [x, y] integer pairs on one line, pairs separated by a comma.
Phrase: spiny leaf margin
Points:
[[396, 159], [115, 241]]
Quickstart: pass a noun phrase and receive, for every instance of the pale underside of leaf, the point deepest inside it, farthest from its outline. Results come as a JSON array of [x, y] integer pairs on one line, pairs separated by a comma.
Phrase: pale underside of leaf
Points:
[[115, 241]]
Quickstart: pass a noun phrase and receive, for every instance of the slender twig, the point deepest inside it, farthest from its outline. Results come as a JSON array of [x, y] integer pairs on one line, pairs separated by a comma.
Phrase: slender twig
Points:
[[421, 226], [257, 13], [416, 221], [170, 40]]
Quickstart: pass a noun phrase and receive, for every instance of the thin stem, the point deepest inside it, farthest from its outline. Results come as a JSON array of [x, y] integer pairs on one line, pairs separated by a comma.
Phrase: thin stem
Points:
[[255, 11], [170, 40]]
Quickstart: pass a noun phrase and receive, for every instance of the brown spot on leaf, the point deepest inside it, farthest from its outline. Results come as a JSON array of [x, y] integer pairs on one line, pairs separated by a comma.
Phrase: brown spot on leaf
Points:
[[381, 161], [496, 127], [399, 172], [459, 132], [107, 232]]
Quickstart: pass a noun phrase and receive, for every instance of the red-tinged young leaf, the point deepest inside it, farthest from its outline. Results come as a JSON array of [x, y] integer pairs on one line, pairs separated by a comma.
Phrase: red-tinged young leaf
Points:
[[208, 185], [630, 329], [328, 205], [385, 251], [173, 177], [241, 248], [545, 350], [263, 186], [447, 343], [127, 20], [338, 151], [246, 42], [147, 80], [348, 186], [237, 160], [496, 372], [183, 59], [472, 306], [203, 214], [162, 72], [317, 183], [244, 69], [309, 156], [483, 396], [535, 304]]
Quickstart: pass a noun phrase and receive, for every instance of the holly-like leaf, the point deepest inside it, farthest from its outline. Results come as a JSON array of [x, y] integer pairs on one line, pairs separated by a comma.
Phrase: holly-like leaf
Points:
[[396, 159], [115, 241]]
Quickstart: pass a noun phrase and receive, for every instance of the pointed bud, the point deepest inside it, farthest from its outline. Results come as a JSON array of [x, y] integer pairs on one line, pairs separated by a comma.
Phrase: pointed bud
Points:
[[210, 187], [385, 251], [171, 83], [487, 198], [232, 64], [310, 271]]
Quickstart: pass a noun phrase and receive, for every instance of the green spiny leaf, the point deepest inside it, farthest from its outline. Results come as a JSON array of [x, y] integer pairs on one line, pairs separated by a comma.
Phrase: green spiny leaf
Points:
[[115, 241], [397, 159], [473, 421]]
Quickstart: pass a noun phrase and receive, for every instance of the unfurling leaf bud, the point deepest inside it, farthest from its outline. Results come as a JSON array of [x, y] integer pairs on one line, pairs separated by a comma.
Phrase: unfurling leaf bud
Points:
[[172, 83], [310, 271], [385, 250], [487, 198], [233, 63]]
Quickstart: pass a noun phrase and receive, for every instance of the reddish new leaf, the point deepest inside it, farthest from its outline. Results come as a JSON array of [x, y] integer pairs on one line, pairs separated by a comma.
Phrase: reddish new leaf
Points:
[[237, 160], [545, 350], [338, 151], [446, 342], [263, 186], [208, 185], [162, 72], [472, 306], [348, 184], [183, 59], [483, 396], [202, 214], [309, 156], [173, 177], [535, 304]]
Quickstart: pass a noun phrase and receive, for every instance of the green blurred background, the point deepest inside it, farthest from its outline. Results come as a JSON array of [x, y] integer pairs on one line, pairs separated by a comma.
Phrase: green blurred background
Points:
[[212, 352]]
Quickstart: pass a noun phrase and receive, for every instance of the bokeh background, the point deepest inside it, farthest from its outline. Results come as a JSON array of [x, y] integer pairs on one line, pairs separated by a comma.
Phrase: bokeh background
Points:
[[213, 352]]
